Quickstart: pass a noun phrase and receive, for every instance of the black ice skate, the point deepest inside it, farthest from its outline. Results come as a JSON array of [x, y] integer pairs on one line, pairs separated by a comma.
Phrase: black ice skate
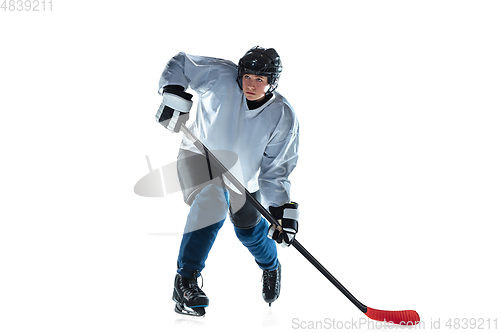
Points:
[[189, 298], [271, 284]]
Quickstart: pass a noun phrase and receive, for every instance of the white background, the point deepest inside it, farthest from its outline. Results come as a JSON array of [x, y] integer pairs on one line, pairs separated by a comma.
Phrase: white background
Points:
[[397, 181]]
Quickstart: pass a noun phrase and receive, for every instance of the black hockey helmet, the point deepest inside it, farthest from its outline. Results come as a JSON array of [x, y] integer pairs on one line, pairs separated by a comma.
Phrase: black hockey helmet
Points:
[[263, 62]]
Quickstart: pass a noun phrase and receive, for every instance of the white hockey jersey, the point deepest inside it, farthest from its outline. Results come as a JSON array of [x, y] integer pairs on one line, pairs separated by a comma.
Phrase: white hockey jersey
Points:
[[265, 139]]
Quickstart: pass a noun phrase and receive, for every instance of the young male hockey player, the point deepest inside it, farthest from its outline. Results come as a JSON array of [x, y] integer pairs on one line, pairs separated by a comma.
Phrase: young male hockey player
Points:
[[239, 111]]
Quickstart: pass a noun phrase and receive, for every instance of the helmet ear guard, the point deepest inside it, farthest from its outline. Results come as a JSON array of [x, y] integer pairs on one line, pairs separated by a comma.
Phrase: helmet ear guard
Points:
[[263, 62]]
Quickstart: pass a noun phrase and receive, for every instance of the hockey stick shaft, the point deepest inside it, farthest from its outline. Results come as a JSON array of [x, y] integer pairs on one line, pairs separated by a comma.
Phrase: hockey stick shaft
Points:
[[265, 213]]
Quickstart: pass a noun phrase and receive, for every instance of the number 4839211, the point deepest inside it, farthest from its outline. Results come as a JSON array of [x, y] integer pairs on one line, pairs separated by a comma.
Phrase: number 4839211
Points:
[[26, 5], [472, 323]]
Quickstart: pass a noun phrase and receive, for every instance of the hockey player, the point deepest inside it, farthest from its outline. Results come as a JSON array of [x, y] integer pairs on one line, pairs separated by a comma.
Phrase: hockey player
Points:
[[239, 111]]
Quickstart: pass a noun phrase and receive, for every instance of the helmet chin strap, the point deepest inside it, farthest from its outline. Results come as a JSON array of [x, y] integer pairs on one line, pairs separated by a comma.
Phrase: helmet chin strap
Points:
[[272, 87]]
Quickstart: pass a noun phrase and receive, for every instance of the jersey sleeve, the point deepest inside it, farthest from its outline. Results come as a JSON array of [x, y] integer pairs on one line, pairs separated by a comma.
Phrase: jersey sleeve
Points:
[[279, 160], [195, 72]]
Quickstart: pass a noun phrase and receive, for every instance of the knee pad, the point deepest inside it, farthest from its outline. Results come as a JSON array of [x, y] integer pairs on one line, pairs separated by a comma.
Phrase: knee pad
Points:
[[246, 216]]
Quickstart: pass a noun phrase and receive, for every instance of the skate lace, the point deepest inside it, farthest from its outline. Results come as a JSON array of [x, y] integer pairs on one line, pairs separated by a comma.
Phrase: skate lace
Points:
[[193, 288], [269, 278]]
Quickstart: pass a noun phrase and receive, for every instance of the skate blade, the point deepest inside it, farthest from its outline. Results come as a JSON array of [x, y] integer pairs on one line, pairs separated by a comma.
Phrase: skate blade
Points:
[[194, 312]]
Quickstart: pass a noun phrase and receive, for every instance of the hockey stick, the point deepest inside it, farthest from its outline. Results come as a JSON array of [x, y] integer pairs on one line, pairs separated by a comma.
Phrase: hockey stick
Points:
[[405, 317]]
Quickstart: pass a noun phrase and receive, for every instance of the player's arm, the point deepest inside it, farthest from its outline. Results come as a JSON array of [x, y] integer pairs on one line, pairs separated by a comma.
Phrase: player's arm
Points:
[[279, 160]]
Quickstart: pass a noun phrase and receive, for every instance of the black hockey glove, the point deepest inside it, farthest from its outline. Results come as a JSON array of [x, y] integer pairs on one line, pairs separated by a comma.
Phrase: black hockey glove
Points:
[[174, 109], [288, 217]]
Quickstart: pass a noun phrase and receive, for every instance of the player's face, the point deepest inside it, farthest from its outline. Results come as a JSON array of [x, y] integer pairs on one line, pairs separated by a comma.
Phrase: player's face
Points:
[[255, 87]]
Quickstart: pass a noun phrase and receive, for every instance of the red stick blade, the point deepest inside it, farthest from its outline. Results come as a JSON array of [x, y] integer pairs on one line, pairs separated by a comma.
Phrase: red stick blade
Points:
[[406, 317]]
